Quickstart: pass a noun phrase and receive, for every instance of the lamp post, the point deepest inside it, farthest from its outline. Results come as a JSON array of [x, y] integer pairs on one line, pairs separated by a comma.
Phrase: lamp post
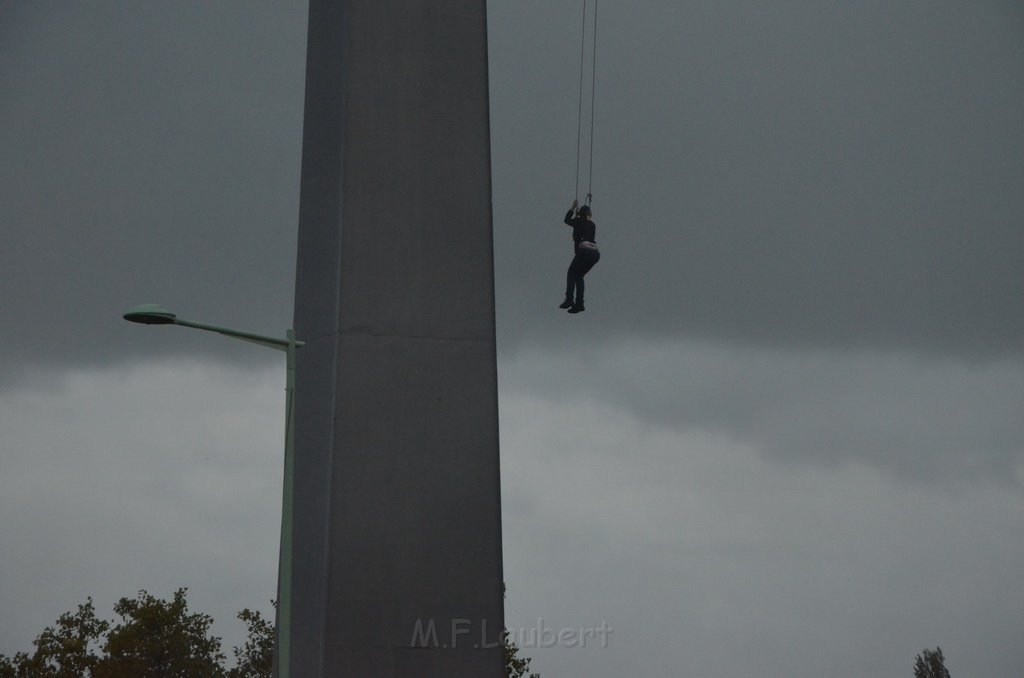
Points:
[[152, 314]]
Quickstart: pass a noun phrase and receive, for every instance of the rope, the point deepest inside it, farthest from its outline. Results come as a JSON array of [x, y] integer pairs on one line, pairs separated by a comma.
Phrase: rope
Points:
[[593, 100], [579, 113]]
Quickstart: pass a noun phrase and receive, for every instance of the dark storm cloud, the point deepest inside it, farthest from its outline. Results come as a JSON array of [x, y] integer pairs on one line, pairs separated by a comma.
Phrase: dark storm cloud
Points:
[[804, 173], [799, 173], [151, 154]]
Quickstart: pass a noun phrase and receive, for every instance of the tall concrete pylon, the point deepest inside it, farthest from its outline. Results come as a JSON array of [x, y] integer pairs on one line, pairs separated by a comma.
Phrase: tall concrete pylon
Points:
[[396, 529]]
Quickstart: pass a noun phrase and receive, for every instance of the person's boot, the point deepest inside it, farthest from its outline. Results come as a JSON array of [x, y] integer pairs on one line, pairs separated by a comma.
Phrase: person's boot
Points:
[[566, 304], [577, 307]]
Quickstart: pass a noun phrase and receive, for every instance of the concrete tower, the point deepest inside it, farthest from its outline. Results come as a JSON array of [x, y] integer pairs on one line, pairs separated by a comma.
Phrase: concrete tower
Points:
[[396, 525]]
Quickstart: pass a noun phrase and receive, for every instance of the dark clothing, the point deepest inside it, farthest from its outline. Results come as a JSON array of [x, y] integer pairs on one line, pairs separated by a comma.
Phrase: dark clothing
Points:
[[582, 229], [581, 263]]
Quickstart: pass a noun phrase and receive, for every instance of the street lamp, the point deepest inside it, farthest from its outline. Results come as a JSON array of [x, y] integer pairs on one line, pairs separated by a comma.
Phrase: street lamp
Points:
[[153, 314]]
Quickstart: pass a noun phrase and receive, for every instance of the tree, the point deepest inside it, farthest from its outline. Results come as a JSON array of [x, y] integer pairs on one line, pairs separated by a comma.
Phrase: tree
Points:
[[931, 665], [515, 666], [154, 638], [65, 650], [255, 659], [160, 638]]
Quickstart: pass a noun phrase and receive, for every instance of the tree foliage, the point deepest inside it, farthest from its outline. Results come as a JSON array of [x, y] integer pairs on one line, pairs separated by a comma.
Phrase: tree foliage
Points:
[[65, 650], [255, 659], [931, 664], [160, 638], [154, 638], [515, 666]]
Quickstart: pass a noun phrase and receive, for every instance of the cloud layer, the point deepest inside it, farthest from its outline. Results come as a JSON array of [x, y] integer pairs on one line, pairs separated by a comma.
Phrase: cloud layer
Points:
[[701, 552], [152, 477], [918, 418], [806, 174], [707, 558]]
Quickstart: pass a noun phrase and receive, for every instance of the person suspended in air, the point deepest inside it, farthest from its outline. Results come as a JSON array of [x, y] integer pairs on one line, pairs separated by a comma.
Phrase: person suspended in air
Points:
[[585, 255]]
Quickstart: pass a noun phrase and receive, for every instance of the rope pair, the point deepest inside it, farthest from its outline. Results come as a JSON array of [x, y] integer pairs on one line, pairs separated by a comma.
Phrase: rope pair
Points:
[[593, 92]]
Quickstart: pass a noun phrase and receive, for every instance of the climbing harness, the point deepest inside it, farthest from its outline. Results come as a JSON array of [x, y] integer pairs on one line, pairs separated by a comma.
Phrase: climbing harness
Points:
[[579, 115]]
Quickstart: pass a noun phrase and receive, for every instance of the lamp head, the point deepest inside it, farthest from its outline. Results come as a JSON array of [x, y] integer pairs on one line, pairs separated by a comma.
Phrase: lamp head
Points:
[[150, 314]]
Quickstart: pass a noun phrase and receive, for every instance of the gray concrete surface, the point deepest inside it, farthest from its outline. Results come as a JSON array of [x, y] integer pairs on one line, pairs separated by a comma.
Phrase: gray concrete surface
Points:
[[397, 524]]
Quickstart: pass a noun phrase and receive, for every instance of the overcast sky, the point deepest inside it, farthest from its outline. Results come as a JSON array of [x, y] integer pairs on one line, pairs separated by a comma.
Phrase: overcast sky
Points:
[[784, 439]]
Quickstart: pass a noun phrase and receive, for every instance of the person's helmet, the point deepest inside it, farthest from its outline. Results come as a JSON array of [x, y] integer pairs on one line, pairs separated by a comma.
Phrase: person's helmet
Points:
[[584, 210]]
